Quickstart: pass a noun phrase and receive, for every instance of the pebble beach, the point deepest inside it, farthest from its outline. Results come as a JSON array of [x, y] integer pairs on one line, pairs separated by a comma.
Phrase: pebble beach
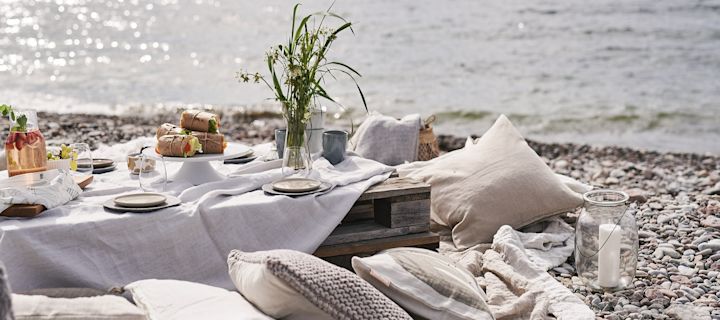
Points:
[[676, 203]]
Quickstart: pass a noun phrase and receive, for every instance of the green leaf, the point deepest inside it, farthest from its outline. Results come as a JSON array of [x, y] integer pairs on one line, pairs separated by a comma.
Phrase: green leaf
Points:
[[346, 66]]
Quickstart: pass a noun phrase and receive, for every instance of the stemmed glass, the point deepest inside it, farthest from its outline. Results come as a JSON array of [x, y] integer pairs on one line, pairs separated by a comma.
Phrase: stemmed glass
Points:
[[153, 174], [82, 156]]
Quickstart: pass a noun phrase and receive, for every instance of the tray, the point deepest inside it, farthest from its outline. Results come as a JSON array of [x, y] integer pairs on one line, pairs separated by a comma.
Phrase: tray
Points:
[[32, 210]]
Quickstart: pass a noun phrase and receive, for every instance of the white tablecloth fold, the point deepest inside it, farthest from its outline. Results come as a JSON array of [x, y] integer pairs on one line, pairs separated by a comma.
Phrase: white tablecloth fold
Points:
[[82, 245]]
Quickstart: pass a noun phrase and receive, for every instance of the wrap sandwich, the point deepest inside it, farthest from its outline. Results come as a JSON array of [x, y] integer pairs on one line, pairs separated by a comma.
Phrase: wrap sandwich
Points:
[[178, 145], [196, 120], [211, 142]]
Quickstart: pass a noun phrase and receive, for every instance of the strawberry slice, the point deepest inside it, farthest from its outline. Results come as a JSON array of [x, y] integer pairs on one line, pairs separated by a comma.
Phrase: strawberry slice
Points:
[[187, 148], [20, 140]]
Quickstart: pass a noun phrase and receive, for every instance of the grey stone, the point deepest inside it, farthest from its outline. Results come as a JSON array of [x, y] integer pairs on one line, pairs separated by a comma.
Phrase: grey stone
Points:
[[713, 245], [688, 312]]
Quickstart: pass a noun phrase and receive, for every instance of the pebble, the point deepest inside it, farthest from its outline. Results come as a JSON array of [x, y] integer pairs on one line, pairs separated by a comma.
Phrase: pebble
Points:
[[660, 252], [713, 245]]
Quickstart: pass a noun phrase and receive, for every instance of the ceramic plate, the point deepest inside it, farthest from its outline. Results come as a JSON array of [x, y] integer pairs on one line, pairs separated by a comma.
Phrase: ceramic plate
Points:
[[104, 169], [102, 163], [140, 200], [170, 202], [268, 188], [295, 185]]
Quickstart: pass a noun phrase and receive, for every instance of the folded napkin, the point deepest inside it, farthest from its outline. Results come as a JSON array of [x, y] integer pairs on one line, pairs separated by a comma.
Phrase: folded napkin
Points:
[[50, 189], [386, 139]]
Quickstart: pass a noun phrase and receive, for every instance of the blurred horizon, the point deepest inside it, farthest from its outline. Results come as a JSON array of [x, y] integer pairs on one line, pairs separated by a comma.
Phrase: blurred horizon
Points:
[[643, 74]]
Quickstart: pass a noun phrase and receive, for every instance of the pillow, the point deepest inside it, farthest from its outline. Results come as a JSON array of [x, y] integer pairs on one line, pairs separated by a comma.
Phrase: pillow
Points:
[[5, 301], [424, 283], [386, 139], [294, 285], [180, 300], [498, 181], [90, 308]]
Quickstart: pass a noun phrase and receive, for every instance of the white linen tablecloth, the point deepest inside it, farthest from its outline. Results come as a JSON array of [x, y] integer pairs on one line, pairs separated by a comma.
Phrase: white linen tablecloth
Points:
[[81, 244]]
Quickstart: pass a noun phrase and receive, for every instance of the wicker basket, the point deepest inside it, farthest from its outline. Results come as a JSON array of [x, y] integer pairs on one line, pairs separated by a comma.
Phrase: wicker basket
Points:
[[428, 147]]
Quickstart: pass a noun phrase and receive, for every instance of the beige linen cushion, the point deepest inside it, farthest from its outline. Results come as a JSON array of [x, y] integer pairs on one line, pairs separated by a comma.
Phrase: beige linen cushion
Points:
[[293, 285], [182, 300], [88, 308], [425, 283], [498, 181]]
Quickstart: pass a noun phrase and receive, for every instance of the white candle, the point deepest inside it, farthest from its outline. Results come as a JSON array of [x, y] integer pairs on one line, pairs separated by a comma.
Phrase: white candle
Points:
[[609, 255]]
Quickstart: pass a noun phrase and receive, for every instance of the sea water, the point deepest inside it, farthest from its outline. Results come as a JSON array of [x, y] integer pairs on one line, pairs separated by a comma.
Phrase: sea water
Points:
[[642, 73]]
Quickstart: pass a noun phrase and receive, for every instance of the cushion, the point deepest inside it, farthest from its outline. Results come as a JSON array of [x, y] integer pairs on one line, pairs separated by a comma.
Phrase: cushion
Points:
[[294, 285], [5, 301], [498, 181], [386, 139], [425, 283], [181, 300], [90, 308]]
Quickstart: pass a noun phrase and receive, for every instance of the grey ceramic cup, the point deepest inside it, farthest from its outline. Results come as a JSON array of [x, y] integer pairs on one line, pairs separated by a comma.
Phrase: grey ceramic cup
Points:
[[280, 141], [334, 144]]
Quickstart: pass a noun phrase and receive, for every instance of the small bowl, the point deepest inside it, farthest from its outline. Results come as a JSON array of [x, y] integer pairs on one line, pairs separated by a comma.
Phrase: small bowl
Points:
[[133, 164]]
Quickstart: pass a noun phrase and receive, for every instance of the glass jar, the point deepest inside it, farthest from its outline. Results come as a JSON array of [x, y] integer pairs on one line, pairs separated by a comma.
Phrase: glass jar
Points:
[[25, 145], [606, 241]]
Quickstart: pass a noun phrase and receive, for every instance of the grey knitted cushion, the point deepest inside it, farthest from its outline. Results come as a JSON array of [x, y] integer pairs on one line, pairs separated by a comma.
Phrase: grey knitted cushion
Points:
[[5, 306], [332, 289]]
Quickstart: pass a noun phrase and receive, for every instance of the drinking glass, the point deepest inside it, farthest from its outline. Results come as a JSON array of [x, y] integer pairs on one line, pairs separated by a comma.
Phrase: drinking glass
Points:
[[153, 176], [82, 158]]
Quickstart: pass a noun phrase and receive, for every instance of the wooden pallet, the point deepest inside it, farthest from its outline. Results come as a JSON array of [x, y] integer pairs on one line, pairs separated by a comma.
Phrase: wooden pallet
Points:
[[395, 213]]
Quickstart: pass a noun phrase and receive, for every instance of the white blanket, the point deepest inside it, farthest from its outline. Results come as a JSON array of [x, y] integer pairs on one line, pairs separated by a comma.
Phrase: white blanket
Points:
[[82, 245], [513, 272]]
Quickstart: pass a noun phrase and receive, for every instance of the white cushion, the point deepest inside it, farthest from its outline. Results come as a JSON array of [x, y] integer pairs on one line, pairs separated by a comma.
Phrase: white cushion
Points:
[[425, 284], [294, 285], [498, 181], [89, 308], [180, 300]]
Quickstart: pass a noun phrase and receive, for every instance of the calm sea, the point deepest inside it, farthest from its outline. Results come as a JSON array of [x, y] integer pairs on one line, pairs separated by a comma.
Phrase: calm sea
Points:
[[642, 73]]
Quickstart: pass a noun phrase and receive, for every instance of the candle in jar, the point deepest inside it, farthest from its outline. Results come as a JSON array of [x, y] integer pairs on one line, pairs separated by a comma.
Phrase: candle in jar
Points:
[[609, 255]]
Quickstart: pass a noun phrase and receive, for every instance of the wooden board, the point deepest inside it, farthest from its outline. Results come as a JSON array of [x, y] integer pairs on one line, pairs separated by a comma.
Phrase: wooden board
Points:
[[32, 210], [376, 245]]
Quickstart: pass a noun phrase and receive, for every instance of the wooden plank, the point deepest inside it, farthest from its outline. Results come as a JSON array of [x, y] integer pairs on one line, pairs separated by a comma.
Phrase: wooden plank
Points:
[[366, 230], [394, 213], [394, 187], [375, 245], [32, 210]]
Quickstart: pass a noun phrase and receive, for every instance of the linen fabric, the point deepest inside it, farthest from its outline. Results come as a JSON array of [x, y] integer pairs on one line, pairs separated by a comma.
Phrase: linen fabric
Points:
[[498, 181], [386, 139], [80, 244], [182, 300], [5, 301], [89, 308], [294, 285], [60, 189], [513, 272], [424, 283]]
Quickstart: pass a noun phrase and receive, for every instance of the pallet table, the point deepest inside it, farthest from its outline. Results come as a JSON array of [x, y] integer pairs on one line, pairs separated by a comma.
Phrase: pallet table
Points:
[[394, 213]]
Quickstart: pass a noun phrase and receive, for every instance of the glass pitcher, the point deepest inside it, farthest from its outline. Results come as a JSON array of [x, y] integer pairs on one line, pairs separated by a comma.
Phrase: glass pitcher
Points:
[[25, 145]]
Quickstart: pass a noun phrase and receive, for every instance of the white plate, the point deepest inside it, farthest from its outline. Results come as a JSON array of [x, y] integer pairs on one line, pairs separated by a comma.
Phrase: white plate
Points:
[[294, 185], [140, 200], [268, 188], [170, 202], [233, 150]]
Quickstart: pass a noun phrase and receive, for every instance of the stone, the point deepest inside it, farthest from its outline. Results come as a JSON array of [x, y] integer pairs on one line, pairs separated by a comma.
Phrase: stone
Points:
[[561, 164], [611, 181], [687, 271], [688, 312], [711, 222], [660, 252], [638, 195], [713, 244]]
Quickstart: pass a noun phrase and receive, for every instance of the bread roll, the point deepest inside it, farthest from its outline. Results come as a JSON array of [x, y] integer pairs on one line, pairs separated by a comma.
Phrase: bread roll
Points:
[[211, 142]]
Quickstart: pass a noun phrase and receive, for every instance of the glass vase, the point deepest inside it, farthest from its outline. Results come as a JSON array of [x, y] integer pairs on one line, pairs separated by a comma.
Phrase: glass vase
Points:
[[25, 149], [296, 153], [606, 241]]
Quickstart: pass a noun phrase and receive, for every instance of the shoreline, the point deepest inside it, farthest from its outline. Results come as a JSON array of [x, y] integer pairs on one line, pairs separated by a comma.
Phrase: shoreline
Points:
[[678, 197]]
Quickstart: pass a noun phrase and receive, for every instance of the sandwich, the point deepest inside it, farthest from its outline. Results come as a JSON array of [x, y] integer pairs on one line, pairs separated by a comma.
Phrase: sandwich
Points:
[[178, 145], [210, 142], [195, 120]]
